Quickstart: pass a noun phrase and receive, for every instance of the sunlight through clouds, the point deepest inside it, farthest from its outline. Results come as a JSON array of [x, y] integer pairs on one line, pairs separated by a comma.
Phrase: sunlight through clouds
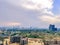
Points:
[[10, 24], [50, 19]]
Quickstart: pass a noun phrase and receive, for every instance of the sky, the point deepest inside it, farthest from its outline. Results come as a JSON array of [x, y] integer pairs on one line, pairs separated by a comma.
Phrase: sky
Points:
[[30, 13]]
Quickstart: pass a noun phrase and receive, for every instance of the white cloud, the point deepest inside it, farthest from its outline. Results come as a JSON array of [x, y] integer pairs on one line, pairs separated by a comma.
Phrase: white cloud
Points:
[[50, 19], [33, 4], [43, 6], [43, 12]]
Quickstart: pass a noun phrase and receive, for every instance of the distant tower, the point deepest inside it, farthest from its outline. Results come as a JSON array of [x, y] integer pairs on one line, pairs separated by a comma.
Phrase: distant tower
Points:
[[52, 27]]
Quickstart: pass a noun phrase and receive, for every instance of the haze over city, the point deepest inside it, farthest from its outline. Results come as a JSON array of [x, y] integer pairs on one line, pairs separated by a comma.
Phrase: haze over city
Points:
[[25, 13]]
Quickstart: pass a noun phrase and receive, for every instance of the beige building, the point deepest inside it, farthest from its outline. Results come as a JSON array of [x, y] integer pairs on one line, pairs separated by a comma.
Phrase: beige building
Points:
[[35, 41], [23, 41], [29, 41], [8, 42], [14, 44]]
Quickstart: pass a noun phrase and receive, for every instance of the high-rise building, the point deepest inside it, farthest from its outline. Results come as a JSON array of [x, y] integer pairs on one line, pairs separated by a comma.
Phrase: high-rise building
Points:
[[52, 27]]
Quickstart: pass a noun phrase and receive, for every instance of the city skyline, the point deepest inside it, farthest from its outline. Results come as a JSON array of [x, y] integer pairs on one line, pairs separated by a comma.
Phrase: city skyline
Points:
[[34, 13]]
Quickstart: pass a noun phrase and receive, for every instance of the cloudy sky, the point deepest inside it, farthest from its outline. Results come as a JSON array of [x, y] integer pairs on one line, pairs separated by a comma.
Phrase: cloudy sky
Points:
[[35, 13]]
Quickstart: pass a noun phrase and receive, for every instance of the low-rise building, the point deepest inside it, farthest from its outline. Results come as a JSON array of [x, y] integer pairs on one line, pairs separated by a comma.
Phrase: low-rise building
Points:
[[6, 41], [28, 41], [24, 41], [35, 41], [1, 42], [12, 41]]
